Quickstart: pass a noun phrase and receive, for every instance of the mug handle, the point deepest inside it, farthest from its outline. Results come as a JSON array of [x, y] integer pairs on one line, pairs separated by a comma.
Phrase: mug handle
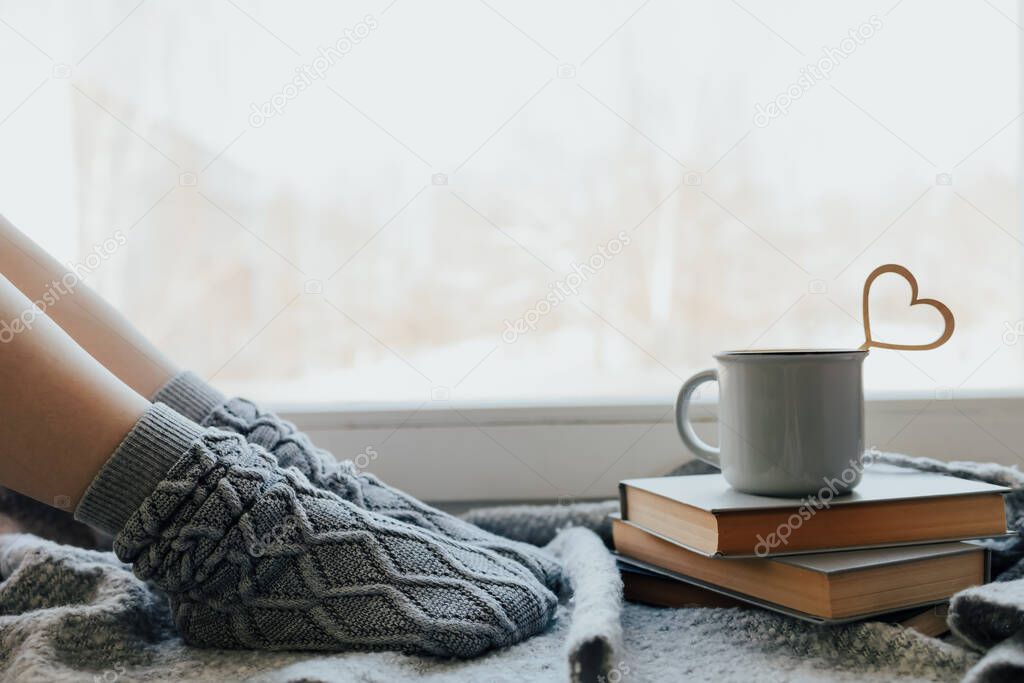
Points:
[[703, 451]]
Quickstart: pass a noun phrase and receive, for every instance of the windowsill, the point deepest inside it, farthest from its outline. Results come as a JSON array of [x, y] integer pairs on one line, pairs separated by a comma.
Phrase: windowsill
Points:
[[597, 411], [461, 452]]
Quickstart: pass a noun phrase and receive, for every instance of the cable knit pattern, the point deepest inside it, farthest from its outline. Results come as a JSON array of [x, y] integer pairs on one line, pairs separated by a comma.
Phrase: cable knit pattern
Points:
[[292, 448], [253, 556]]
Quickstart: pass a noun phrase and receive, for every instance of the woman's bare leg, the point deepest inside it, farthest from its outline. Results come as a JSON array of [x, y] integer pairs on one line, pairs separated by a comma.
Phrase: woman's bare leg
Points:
[[115, 343], [93, 323], [181, 499], [61, 413]]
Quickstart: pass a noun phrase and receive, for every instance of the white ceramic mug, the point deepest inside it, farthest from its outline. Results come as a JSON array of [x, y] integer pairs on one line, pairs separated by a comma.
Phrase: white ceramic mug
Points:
[[790, 422]]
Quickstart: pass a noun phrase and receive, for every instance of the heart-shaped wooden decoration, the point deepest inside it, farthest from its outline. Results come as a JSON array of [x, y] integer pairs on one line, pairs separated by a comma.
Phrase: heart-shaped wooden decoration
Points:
[[943, 310]]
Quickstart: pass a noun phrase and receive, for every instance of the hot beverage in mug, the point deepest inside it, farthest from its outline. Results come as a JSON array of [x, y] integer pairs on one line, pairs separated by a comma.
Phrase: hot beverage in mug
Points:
[[788, 421], [791, 422]]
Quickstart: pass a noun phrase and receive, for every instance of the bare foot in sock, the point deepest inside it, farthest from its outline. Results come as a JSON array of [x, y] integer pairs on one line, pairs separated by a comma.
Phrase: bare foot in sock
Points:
[[193, 398], [254, 556]]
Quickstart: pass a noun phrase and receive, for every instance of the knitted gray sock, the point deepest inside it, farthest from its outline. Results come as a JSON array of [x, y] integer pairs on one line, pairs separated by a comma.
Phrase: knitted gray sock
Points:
[[253, 556], [195, 399]]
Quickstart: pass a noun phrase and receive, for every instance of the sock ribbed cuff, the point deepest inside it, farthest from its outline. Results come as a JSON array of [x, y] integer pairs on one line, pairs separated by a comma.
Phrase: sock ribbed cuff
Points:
[[188, 394], [158, 440]]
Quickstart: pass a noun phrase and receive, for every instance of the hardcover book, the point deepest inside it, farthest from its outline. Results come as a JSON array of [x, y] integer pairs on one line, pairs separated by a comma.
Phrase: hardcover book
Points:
[[823, 587], [892, 506]]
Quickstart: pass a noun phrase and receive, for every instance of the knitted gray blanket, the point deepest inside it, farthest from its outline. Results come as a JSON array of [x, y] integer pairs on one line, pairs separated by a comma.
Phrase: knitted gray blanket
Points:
[[68, 614]]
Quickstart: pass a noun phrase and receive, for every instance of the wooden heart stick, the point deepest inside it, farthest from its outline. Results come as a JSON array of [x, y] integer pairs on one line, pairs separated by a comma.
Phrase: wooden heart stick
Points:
[[943, 310]]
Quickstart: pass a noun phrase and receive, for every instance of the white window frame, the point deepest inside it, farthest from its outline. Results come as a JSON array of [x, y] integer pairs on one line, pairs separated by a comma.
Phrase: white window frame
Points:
[[507, 452]]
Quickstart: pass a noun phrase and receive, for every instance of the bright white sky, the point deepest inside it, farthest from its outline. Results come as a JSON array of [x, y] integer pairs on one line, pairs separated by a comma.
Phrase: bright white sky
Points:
[[471, 90]]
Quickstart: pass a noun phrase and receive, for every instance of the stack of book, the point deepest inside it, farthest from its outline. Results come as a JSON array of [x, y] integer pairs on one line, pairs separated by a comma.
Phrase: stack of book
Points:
[[895, 544]]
